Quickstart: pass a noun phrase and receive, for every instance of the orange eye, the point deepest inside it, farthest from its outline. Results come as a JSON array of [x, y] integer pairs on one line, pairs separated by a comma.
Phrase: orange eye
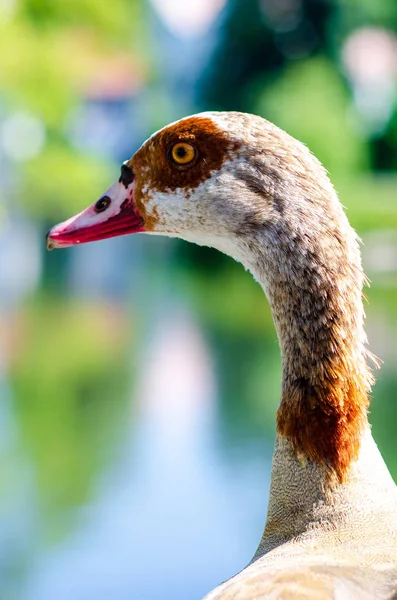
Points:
[[183, 153]]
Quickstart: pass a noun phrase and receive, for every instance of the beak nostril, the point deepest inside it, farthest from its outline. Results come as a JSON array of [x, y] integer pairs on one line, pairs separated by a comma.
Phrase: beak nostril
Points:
[[127, 175], [102, 204]]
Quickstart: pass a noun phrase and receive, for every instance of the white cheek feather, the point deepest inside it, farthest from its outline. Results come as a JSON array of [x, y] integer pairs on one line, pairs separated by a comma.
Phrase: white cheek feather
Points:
[[169, 206], [226, 245], [198, 215]]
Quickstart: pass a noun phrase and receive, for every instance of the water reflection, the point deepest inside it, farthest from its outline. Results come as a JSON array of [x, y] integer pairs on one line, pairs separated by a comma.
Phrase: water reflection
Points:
[[169, 513]]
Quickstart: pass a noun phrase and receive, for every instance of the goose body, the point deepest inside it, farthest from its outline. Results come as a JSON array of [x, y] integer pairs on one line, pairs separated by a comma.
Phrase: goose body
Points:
[[237, 183]]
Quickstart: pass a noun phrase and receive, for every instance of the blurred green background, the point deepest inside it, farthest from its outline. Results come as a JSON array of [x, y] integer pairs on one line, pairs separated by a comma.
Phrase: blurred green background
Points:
[[139, 377]]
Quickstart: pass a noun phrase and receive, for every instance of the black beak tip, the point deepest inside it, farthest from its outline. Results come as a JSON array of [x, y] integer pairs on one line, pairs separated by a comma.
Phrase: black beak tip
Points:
[[49, 242]]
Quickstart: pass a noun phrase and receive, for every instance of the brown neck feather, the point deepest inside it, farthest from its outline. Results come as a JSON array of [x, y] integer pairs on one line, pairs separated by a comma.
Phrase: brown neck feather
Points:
[[311, 272], [325, 420], [325, 376]]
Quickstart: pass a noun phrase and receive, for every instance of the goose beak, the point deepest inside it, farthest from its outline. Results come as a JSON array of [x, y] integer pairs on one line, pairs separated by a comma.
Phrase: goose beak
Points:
[[113, 214]]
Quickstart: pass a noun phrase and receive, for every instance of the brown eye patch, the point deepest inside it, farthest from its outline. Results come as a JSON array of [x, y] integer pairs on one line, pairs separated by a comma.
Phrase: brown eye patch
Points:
[[155, 171]]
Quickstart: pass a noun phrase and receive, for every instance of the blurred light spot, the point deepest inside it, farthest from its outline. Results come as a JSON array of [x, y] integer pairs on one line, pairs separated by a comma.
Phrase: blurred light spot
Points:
[[370, 60], [282, 15], [188, 18], [178, 381], [297, 42], [294, 36], [7, 10], [370, 54], [380, 252], [22, 136]]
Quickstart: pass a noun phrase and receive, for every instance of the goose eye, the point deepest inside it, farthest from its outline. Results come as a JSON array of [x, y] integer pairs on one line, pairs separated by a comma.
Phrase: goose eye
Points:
[[183, 153]]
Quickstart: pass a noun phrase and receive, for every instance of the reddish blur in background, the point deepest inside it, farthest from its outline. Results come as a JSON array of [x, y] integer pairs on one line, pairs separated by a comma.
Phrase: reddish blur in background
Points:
[[139, 377]]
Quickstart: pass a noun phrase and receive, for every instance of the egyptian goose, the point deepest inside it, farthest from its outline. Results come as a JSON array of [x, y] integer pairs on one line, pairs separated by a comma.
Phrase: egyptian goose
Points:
[[238, 183]]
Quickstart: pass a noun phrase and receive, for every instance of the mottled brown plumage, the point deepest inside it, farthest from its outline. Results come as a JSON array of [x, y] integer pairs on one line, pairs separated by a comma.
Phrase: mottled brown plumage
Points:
[[260, 196]]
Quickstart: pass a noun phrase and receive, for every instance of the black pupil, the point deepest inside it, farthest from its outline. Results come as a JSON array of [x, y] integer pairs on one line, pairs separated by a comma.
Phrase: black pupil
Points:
[[102, 204], [181, 152]]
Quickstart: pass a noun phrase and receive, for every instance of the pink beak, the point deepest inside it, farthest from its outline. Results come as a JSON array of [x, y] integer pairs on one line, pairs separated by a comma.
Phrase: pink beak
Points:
[[112, 215]]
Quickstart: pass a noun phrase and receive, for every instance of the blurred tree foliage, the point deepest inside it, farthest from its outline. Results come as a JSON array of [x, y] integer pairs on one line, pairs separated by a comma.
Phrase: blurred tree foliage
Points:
[[259, 39], [48, 50]]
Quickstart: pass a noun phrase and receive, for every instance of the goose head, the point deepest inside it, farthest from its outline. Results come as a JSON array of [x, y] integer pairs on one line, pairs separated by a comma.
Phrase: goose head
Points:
[[238, 183], [217, 179]]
